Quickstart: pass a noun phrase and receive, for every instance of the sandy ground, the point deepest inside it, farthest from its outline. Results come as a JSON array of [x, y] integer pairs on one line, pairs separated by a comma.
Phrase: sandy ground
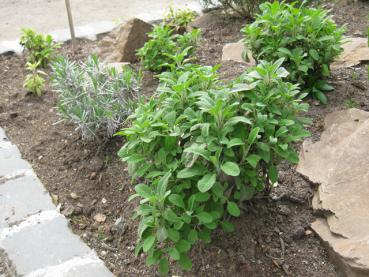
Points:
[[90, 16]]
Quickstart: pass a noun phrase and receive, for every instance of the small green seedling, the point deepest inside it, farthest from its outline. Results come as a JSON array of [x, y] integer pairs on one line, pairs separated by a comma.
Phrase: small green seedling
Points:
[[34, 82]]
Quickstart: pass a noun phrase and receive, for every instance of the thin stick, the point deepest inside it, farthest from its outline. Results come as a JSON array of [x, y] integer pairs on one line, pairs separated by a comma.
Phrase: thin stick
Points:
[[70, 20]]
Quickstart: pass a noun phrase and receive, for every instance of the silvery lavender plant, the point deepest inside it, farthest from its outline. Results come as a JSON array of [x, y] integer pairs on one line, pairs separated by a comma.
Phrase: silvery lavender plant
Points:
[[95, 97]]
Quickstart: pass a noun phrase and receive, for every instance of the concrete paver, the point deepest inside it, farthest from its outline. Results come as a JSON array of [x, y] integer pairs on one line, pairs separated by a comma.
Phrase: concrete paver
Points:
[[22, 197], [34, 236]]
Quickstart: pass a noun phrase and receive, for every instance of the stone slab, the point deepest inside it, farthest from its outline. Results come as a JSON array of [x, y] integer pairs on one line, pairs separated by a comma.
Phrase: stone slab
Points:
[[339, 250], [87, 266], [43, 240], [355, 51], [10, 158], [34, 236], [235, 52], [22, 197], [339, 163]]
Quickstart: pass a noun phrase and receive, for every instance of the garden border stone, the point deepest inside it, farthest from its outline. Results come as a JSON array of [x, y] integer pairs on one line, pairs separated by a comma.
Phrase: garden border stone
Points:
[[35, 240]]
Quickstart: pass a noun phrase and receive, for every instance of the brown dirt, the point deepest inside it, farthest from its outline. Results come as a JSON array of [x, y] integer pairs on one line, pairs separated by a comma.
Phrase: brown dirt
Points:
[[272, 236], [353, 13]]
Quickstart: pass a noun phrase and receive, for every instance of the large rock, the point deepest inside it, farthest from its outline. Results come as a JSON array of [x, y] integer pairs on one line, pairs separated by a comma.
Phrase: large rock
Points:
[[207, 20], [235, 51], [355, 51], [123, 42], [339, 162]]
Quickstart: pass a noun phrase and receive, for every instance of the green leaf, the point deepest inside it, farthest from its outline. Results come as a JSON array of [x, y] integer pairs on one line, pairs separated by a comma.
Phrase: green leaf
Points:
[[320, 96], [151, 260], [325, 86], [230, 168], [204, 235], [174, 253], [198, 150], [162, 234], [281, 131], [273, 174], [285, 51], [253, 135], [204, 217], [206, 182], [144, 224], [253, 160], [185, 262], [183, 246], [138, 249], [173, 235], [135, 158], [170, 215], [314, 54], [144, 191], [133, 196], [192, 236], [227, 226], [237, 119], [201, 196], [141, 170], [190, 172], [163, 183], [148, 243], [163, 267], [233, 209], [177, 200], [235, 142], [287, 122]]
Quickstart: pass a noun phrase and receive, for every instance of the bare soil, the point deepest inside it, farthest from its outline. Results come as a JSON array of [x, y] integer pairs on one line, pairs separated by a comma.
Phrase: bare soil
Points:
[[272, 237]]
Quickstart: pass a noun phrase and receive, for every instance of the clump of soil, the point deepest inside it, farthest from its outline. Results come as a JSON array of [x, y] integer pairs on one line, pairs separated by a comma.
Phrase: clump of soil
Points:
[[272, 236]]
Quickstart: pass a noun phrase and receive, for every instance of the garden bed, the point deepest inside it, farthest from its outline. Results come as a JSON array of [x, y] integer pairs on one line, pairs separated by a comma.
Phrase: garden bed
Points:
[[272, 236]]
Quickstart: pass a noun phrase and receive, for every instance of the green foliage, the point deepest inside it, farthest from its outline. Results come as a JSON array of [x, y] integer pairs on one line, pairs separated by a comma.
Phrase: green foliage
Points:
[[350, 103], [40, 49], [306, 38], [158, 53], [34, 82], [242, 8], [93, 96], [199, 149], [179, 19]]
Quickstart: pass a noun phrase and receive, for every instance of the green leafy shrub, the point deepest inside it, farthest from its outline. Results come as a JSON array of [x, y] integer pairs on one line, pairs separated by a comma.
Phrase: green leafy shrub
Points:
[[34, 82], [179, 19], [242, 8], [307, 38], [40, 49], [93, 96], [157, 54], [199, 149]]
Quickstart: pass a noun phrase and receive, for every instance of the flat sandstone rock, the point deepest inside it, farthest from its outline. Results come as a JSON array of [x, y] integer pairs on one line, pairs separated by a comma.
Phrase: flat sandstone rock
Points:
[[355, 51], [339, 162], [123, 42], [234, 52]]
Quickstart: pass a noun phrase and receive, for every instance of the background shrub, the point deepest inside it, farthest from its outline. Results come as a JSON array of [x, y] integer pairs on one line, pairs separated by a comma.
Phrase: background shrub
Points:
[[40, 49], [179, 19], [199, 149], [306, 38], [93, 96], [158, 53], [242, 8]]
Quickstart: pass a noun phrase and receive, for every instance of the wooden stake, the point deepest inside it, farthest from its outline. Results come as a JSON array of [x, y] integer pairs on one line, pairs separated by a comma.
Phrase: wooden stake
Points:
[[70, 20]]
